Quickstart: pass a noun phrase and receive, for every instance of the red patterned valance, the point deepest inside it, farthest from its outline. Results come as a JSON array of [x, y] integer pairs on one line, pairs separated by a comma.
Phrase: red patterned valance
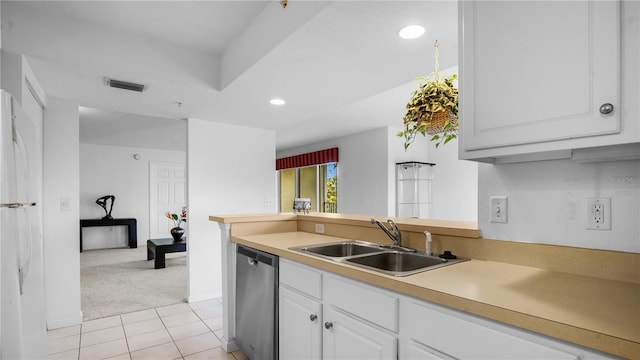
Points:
[[308, 159]]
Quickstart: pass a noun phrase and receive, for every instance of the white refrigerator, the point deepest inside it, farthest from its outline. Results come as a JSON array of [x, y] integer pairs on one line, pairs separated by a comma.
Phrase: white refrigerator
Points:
[[22, 307]]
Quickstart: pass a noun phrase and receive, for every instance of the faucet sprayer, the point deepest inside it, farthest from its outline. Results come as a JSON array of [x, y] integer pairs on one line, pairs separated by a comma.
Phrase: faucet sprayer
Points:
[[427, 244]]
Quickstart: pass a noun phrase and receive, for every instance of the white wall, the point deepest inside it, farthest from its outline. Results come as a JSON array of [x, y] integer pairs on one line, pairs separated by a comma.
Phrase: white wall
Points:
[[547, 202], [112, 170], [231, 170], [455, 184], [366, 174], [61, 238], [418, 151], [363, 169], [362, 173]]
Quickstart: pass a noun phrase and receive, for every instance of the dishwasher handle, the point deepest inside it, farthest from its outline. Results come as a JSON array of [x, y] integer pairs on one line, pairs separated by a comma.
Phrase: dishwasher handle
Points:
[[255, 256]]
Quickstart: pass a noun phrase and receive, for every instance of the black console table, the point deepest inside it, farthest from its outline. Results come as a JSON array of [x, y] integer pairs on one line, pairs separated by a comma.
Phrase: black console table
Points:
[[130, 223]]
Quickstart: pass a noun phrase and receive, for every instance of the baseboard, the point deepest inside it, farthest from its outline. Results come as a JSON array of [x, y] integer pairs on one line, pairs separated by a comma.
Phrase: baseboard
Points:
[[203, 297], [64, 322], [228, 345]]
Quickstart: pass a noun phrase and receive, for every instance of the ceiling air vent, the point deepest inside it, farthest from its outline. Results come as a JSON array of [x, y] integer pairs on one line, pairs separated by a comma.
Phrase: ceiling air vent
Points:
[[119, 84]]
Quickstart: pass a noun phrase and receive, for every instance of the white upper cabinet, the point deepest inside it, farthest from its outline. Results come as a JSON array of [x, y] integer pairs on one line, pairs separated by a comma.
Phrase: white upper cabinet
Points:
[[541, 76]]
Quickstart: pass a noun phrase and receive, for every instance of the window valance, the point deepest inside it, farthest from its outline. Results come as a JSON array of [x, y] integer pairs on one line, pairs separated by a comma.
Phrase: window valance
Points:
[[308, 159]]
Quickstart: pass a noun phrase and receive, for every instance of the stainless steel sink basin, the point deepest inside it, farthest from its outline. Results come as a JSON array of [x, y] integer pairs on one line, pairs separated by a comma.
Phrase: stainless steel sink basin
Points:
[[372, 256], [341, 249], [399, 263]]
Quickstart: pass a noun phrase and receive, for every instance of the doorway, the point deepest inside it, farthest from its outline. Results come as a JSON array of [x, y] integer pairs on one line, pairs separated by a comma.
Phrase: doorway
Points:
[[128, 156]]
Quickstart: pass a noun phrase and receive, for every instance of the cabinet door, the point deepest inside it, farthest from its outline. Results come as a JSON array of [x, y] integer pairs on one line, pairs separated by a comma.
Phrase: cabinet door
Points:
[[300, 334], [537, 71], [348, 338]]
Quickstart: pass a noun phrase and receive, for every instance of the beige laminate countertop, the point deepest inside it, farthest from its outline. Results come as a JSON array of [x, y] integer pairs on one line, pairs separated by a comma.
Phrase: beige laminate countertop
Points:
[[596, 313]]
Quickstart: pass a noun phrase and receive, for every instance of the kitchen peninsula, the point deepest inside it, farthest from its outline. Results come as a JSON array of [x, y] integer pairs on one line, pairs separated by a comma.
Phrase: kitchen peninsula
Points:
[[572, 295]]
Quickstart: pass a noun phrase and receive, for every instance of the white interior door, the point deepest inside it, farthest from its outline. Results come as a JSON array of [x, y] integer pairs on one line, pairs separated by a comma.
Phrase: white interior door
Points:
[[167, 186]]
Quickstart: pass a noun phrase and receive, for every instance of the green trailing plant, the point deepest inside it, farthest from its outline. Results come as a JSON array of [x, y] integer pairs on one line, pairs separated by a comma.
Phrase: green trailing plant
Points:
[[432, 109]]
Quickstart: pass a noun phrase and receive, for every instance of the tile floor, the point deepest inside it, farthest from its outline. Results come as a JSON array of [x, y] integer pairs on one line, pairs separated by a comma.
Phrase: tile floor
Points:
[[180, 331]]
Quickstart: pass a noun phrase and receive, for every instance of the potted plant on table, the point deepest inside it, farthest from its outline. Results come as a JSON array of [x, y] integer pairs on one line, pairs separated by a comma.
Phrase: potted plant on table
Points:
[[177, 232], [433, 109]]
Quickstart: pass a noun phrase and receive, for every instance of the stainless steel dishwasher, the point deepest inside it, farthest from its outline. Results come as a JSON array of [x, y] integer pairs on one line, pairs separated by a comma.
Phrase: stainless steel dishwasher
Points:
[[257, 303]]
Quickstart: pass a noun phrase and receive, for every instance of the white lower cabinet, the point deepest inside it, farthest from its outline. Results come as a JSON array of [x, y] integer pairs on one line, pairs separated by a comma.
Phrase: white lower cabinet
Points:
[[323, 315], [300, 319], [346, 337]]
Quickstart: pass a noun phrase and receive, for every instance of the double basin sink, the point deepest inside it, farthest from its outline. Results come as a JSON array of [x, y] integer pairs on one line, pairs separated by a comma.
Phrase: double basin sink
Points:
[[396, 261]]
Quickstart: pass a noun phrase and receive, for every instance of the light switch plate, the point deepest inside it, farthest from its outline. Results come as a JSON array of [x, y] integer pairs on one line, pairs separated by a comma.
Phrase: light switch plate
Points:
[[498, 207]]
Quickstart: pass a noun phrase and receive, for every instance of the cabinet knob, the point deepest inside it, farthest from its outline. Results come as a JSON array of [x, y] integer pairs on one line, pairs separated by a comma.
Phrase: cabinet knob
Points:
[[328, 325], [606, 108], [313, 317]]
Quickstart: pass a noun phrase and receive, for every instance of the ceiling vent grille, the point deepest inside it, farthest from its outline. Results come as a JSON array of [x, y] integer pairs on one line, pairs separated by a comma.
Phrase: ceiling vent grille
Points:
[[125, 85]]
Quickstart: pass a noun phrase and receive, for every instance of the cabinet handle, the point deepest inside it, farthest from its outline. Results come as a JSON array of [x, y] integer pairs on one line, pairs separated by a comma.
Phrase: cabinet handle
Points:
[[313, 317], [328, 325], [606, 109]]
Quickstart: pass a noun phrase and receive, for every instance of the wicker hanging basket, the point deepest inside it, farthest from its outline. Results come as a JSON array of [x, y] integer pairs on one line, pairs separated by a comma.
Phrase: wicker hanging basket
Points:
[[434, 123], [432, 109]]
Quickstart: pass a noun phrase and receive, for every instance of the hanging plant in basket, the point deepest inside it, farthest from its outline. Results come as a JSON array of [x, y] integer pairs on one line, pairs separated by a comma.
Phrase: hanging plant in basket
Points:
[[433, 109]]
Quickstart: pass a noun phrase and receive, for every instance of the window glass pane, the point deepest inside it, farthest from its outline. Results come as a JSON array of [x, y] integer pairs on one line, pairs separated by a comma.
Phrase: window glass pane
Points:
[[287, 189], [329, 187], [318, 183], [308, 185]]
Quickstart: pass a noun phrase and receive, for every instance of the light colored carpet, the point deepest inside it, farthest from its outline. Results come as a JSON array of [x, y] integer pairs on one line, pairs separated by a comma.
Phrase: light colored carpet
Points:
[[119, 281]]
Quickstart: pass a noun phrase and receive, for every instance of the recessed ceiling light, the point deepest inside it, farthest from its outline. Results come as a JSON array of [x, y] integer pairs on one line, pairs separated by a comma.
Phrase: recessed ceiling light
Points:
[[411, 32], [277, 102]]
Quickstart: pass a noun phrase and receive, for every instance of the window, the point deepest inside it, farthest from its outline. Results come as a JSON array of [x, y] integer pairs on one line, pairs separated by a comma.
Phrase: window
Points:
[[313, 176], [318, 183]]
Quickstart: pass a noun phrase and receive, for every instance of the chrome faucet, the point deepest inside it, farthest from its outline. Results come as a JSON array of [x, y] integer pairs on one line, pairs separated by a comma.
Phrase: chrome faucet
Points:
[[393, 233]]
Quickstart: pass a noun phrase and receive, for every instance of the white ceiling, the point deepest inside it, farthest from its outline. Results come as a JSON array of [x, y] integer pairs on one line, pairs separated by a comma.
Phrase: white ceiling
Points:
[[339, 64]]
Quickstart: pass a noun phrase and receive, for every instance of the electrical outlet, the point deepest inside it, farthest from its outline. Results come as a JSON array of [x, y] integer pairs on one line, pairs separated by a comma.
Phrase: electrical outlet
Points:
[[320, 228], [498, 208], [598, 214]]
